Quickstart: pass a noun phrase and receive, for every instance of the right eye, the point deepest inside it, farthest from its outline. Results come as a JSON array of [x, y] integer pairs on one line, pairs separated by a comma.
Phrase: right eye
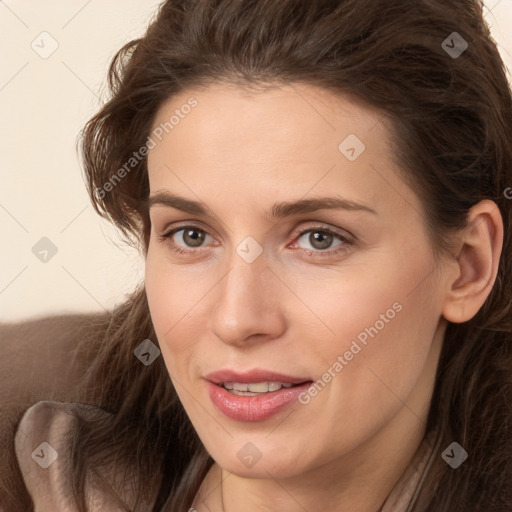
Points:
[[190, 236]]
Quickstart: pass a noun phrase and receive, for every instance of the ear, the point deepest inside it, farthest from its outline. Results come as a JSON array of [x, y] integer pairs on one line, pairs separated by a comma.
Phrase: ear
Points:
[[476, 264]]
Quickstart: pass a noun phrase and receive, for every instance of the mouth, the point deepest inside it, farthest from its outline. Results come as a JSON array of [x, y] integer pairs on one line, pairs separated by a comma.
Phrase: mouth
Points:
[[256, 388], [254, 381], [255, 395], [250, 406]]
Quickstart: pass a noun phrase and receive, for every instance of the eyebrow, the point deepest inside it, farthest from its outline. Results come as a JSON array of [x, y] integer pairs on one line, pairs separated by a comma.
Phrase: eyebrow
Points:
[[278, 210]]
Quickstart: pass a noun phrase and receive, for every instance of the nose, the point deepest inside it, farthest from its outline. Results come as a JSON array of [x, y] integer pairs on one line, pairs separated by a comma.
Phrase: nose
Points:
[[247, 306]]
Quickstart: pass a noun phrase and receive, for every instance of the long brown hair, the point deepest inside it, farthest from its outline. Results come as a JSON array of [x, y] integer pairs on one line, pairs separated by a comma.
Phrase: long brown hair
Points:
[[452, 126]]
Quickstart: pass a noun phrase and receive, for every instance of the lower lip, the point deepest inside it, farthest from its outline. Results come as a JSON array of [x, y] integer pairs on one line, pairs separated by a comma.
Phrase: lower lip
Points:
[[254, 408]]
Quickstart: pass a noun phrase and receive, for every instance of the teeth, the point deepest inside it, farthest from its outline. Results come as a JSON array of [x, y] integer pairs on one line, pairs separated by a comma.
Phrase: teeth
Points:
[[257, 387]]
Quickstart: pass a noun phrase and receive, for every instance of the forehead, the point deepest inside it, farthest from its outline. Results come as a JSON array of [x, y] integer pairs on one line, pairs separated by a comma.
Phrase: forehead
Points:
[[287, 140], [285, 119]]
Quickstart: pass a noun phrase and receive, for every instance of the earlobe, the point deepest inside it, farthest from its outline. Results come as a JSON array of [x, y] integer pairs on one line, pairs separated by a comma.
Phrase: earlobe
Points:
[[477, 263]]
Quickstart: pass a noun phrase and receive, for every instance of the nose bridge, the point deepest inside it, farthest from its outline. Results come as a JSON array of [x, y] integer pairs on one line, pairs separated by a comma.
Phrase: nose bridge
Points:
[[245, 302]]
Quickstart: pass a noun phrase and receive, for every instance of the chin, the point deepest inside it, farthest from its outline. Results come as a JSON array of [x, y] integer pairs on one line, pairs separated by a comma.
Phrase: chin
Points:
[[262, 469]]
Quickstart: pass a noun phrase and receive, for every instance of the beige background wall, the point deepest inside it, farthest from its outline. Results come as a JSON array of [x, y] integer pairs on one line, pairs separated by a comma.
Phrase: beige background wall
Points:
[[45, 98]]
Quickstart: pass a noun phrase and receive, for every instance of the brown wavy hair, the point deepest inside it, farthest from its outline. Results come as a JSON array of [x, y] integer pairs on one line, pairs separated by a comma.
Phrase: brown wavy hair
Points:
[[451, 130]]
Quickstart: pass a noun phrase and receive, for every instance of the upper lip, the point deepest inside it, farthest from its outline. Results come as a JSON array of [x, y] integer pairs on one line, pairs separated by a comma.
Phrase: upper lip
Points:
[[253, 376]]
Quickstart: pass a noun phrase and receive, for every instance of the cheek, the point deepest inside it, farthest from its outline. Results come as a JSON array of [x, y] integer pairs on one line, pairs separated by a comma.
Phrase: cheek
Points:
[[166, 301], [174, 297], [384, 325], [384, 300]]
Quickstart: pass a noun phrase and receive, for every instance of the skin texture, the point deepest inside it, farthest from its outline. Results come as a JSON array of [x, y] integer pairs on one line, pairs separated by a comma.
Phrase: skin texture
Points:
[[294, 311]]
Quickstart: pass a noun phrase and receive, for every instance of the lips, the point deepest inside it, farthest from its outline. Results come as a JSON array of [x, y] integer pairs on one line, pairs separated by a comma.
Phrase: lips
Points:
[[237, 406], [254, 408], [253, 376]]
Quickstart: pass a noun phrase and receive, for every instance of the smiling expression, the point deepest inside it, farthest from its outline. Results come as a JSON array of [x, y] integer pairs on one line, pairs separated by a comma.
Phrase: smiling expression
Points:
[[277, 239]]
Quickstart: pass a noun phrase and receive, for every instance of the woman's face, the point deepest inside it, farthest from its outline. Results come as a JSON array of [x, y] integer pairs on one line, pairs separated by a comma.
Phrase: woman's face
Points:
[[342, 294]]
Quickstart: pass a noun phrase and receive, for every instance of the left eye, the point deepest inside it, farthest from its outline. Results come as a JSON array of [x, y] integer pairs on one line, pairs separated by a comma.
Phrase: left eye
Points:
[[321, 239]]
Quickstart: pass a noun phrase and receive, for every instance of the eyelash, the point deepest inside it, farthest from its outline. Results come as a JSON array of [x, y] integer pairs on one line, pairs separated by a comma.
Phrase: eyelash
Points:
[[346, 242]]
